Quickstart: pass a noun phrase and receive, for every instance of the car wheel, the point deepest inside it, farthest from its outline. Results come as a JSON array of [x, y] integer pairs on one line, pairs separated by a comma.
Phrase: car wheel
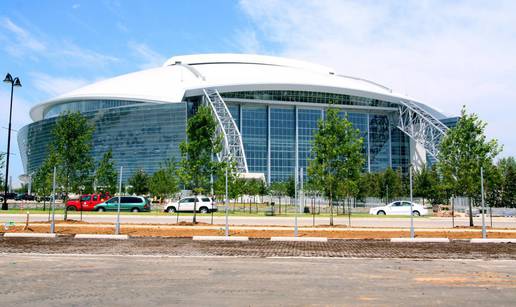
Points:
[[135, 210], [101, 209], [416, 213], [203, 210], [71, 208], [171, 210], [381, 212]]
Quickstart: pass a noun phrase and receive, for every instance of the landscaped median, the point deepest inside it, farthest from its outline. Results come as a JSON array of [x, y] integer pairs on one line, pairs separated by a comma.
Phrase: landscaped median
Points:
[[184, 229]]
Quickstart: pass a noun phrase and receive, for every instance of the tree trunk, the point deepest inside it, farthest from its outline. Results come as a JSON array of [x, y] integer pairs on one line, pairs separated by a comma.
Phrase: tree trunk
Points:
[[194, 221], [331, 210], [470, 207]]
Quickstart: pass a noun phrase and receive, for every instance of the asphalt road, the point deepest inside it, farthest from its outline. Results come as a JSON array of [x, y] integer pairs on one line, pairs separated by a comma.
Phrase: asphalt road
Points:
[[423, 222], [82, 280]]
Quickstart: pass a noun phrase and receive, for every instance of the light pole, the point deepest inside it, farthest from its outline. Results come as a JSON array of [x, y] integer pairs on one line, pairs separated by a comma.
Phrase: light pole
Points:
[[14, 82], [411, 206]]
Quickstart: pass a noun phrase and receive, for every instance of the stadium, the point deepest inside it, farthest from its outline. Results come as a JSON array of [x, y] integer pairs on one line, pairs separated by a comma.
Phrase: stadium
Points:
[[266, 108]]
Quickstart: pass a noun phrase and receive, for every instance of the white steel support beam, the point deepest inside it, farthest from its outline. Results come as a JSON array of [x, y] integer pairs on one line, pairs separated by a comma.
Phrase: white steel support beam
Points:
[[232, 146], [421, 126]]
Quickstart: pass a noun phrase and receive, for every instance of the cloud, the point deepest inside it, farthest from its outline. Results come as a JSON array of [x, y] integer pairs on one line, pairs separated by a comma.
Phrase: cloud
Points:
[[55, 86], [20, 41], [445, 53], [147, 57], [247, 42], [74, 55]]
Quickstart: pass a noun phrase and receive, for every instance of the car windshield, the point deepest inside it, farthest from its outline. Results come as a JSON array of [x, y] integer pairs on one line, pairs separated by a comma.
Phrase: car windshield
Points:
[[112, 200]]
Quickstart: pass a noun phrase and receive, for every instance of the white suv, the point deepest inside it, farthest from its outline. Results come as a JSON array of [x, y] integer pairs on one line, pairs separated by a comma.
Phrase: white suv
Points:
[[204, 204]]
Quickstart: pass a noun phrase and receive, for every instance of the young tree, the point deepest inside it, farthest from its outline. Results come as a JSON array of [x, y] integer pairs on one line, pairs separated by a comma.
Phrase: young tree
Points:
[[507, 168], [42, 180], [197, 163], [424, 184], [337, 155], [164, 183], [463, 151], [71, 146], [391, 184], [139, 182], [106, 175]]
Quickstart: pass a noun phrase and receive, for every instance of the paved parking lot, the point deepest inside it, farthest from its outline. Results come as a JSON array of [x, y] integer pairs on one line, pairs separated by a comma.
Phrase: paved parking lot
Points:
[[259, 248], [42, 280]]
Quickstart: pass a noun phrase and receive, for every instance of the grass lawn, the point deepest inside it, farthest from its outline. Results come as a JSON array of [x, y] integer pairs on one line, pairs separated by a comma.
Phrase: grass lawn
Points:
[[219, 213]]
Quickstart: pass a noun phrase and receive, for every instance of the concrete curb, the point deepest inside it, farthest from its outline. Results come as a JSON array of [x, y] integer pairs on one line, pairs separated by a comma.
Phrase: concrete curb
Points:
[[420, 240], [219, 238], [300, 239], [95, 236], [492, 241], [29, 235]]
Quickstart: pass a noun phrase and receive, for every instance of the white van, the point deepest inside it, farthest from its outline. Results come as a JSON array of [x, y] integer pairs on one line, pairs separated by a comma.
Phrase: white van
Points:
[[204, 204]]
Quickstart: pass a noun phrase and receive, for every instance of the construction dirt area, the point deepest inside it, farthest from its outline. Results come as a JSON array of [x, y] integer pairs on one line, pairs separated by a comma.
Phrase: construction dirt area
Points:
[[187, 229]]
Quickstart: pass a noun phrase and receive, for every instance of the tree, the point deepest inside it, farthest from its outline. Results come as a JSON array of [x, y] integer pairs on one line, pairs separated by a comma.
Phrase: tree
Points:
[[424, 183], [197, 163], [164, 183], [337, 155], [139, 183], [42, 180], [106, 175], [71, 146], [507, 169], [391, 184], [463, 151], [278, 189]]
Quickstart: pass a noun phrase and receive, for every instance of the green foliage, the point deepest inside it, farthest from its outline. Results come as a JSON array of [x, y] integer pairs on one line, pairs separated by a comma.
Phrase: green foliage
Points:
[[105, 174], [464, 149], [337, 157], [164, 183], [501, 188], [72, 149], [42, 179], [278, 188], [139, 183], [391, 184], [197, 165]]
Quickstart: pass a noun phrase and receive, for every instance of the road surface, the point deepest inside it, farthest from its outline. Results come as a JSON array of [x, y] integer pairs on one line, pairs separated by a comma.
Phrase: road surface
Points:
[[71, 280]]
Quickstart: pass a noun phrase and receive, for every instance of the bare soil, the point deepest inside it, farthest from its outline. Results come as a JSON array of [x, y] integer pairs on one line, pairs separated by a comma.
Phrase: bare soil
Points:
[[187, 229]]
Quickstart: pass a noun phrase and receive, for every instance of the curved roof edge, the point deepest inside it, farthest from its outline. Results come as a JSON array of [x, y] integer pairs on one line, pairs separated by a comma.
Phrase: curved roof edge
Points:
[[239, 58]]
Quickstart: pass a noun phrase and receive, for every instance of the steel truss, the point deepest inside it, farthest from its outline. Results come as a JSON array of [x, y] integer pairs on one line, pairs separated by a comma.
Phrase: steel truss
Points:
[[421, 126], [232, 145]]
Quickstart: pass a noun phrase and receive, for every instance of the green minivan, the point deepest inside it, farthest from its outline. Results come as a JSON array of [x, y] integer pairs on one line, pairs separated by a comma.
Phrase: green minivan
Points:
[[127, 203]]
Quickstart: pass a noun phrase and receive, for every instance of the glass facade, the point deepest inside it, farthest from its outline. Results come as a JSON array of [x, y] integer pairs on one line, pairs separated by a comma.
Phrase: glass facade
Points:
[[275, 130], [282, 143], [254, 136], [85, 106], [140, 136]]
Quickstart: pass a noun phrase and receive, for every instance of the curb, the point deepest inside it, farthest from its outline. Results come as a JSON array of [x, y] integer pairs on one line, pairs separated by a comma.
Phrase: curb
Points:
[[29, 235], [492, 241], [219, 238], [300, 239], [420, 240], [95, 236]]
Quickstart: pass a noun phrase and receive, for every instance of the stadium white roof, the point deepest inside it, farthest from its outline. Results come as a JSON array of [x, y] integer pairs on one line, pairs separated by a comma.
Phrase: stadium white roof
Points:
[[187, 75]]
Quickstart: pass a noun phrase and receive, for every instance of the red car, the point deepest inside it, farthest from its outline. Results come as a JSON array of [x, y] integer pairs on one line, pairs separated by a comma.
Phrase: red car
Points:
[[87, 202]]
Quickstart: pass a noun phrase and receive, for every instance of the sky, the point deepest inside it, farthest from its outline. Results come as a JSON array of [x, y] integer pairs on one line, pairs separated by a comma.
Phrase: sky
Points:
[[447, 54]]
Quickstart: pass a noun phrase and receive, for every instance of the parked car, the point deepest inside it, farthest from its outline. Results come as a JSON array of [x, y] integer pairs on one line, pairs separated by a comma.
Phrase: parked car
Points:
[[25, 196], [204, 204], [86, 202], [10, 195], [127, 203], [400, 207]]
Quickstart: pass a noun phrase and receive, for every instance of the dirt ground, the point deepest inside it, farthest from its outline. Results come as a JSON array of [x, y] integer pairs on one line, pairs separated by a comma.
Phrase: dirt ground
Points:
[[185, 229]]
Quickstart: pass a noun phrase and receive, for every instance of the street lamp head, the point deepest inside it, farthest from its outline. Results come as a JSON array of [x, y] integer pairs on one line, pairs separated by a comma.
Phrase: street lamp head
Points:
[[8, 78], [17, 82]]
